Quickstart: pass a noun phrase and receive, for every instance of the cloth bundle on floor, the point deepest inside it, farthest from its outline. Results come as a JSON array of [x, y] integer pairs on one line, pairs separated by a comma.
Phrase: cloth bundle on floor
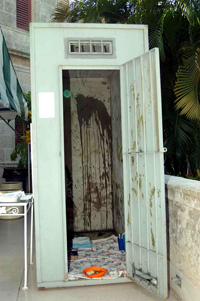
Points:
[[81, 242], [104, 253]]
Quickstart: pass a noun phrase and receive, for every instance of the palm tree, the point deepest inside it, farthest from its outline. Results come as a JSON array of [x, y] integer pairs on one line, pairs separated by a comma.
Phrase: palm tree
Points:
[[99, 11], [174, 29]]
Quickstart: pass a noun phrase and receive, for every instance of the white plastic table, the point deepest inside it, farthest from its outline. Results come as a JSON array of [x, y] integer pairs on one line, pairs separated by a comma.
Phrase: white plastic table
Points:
[[26, 202]]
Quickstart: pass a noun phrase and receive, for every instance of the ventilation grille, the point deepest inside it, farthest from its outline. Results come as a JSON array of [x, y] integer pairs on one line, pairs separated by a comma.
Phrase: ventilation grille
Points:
[[90, 47]]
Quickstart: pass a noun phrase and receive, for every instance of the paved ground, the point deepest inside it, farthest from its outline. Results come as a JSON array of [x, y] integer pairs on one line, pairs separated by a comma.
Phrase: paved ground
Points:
[[11, 276]]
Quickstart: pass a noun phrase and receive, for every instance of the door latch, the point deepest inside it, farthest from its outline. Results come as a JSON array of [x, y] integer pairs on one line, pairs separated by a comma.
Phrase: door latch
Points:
[[177, 280], [144, 276]]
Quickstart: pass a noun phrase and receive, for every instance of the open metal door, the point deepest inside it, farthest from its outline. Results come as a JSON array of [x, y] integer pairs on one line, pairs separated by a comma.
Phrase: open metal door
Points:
[[143, 167]]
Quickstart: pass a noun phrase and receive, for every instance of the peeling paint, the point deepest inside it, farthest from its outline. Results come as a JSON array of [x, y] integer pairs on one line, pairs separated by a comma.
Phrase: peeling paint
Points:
[[152, 192], [140, 126], [128, 220], [136, 177], [134, 145], [132, 134], [140, 182], [152, 238], [129, 200], [137, 101], [135, 191]]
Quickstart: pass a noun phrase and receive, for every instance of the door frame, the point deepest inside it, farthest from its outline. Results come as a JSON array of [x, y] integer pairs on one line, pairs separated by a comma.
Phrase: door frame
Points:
[[61, 68]]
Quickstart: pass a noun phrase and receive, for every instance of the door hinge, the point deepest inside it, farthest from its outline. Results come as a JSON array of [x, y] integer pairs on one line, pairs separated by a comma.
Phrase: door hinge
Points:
[[144, 276]]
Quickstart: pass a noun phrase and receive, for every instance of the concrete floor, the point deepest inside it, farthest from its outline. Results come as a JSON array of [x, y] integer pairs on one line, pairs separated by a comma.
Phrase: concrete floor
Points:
[[11, 276]]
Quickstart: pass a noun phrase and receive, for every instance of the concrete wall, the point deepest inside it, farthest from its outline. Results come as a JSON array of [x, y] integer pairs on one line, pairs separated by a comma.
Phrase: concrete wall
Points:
[[183, 203]]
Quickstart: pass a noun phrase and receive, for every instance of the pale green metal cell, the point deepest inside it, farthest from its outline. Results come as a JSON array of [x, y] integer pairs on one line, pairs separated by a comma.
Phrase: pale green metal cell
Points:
[[58, 47]]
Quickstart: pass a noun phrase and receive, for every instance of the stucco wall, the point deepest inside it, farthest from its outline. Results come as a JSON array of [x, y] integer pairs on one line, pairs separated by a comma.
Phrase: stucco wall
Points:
[[183, 210]]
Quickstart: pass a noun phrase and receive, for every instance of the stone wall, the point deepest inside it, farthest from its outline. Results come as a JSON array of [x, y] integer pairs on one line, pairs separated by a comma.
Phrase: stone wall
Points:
[[18, 43], [42, 10], [18, 40], [183, 212]]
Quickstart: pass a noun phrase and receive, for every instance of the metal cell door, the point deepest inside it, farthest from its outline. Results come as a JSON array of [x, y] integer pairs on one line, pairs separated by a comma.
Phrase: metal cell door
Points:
[[145, 215]]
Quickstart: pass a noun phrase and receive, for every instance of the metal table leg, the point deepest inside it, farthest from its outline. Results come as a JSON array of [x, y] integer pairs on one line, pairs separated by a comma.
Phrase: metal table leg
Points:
[[31, 236], [25, 249]]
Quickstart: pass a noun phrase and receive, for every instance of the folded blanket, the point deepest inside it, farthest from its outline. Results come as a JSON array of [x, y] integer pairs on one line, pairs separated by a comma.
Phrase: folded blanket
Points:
[[81, 242], [77, 246]]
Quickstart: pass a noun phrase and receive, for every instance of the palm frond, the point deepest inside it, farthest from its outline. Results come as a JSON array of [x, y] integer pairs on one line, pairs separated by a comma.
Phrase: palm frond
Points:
[[61, 13], [156, 35], [194, 153], [178, 132], [187, 86], [65, 12]]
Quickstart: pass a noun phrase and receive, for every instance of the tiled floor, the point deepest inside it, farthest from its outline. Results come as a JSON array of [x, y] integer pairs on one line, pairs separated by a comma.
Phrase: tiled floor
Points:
[[11, 276]]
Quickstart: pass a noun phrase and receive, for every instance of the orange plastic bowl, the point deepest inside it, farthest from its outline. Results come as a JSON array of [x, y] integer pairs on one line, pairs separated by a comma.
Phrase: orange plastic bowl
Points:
[[101, 272]]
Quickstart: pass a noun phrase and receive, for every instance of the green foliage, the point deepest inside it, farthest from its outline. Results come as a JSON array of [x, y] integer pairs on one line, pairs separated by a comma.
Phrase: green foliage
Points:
[[27, 97], [21, 149], [103, 11], [187, 87], [174, 27]]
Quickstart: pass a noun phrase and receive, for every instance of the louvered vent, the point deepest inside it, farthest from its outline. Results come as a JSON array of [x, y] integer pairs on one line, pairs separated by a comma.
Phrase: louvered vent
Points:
[[23, 8]]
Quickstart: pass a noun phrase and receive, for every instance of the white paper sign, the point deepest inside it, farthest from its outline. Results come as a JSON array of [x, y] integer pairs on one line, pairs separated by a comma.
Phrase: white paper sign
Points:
[[46, 105]]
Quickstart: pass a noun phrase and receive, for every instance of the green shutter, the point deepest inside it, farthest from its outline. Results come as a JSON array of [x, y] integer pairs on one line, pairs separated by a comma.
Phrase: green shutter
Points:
[[11, 95]]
